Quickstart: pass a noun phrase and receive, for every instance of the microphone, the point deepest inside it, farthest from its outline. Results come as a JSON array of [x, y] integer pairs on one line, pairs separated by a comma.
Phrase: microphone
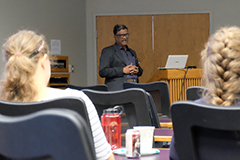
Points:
[[183, 83]]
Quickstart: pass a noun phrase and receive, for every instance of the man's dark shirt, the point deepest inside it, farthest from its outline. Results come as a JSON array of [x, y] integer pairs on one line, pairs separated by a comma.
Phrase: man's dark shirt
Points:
[[129, 58]]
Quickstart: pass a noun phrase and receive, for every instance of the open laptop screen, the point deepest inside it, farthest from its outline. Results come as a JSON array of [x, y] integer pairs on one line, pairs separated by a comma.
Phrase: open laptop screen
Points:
[[176, 61]]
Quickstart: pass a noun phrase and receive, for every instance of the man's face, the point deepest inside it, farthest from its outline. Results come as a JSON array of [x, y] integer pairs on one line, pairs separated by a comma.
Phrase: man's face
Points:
[[121, 37]]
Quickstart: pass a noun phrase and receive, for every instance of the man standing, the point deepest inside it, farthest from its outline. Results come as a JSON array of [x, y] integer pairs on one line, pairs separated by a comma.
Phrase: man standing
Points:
[[118, 62]]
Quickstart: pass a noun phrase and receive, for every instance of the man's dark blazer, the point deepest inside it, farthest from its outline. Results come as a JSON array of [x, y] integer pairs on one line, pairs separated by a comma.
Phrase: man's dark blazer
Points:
[[111, 67]]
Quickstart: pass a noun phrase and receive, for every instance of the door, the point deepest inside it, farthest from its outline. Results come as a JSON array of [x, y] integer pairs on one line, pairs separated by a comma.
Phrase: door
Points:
[[154, 37]]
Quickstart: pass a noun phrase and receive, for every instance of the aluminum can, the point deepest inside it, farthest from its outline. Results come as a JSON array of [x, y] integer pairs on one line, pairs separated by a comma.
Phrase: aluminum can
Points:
[[132, 138]]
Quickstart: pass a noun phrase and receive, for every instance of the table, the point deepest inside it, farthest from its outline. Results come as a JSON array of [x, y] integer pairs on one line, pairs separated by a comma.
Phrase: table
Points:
[[163, 155], [166, 125], [163, 135], [160, 135], [166, 122]]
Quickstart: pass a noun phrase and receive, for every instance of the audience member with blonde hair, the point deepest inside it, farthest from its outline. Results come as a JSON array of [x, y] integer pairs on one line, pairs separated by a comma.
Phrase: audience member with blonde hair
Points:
[[221, 67], [221, 71], [26, 76]]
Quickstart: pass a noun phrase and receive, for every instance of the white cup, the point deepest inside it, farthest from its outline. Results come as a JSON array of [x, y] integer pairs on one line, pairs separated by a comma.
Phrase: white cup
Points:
[[146, 138]]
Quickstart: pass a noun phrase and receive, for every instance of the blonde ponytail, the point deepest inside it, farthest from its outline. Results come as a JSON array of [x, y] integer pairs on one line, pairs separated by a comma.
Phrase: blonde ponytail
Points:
[[20, 68]]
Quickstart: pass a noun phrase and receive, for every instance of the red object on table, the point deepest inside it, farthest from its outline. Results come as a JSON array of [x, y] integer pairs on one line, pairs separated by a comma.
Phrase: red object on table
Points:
[[111, 124]]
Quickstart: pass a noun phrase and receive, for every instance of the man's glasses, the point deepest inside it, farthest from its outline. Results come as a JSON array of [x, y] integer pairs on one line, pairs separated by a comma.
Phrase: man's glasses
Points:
[[123, 35]]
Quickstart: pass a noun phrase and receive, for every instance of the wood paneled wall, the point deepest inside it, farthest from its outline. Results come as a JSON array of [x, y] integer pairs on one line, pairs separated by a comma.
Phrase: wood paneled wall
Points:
[[154, 37]]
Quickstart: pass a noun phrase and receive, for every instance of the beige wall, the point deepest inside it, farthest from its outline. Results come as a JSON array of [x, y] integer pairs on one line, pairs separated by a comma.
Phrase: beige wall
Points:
[[56, 19]]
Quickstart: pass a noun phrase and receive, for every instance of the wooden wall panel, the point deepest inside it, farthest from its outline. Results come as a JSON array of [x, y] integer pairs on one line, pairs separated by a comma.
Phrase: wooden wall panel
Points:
[[173, 34], [179, 34], [140, 39]]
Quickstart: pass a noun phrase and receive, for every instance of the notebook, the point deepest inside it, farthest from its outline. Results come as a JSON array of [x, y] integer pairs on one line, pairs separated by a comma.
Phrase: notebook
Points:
[[175, 61]]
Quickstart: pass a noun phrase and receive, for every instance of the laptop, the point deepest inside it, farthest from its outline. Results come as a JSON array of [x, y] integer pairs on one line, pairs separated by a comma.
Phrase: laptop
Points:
[[175, 62]]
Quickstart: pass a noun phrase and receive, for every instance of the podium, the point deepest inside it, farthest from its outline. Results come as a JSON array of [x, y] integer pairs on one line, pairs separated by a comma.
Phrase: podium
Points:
[[174, 79]]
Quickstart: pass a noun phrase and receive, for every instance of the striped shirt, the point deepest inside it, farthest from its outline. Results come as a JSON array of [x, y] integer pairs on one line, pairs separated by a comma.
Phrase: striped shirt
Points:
[[102, 147]]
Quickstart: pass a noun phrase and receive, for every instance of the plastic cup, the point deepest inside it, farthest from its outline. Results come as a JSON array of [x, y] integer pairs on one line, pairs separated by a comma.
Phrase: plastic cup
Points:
[[146, 138]]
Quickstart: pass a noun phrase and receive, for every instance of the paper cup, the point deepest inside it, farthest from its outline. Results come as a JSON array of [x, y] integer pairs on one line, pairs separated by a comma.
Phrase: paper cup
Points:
[[146, 138]]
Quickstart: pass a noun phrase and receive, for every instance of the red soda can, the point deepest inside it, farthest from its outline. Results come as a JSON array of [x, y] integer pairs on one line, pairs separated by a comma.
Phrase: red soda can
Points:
[[132, 143]]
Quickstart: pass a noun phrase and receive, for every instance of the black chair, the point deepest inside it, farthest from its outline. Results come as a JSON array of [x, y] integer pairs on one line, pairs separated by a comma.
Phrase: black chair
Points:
[[153, 110], [16, 109], [206, 132], [134, 101], [194, 92], [160, 93], [98, 87], [56, 134]]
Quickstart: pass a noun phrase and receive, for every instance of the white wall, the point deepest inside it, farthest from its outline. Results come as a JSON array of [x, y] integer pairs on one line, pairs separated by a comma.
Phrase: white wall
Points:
[[222, 13], [56, 19]]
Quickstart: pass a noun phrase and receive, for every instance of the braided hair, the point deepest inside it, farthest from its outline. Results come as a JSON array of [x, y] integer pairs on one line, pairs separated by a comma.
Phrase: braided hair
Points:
[[221, 67]]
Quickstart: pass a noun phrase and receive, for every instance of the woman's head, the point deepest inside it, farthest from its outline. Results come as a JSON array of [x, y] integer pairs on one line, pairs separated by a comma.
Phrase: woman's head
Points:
[[221, 67], [25, 43], [22, 52]]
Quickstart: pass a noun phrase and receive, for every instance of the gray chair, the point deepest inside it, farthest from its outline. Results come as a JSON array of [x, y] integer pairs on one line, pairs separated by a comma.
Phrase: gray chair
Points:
[[134, 101], [17, 109], [56, 134], [160, 93], [153, 110], [73, 103], [98, 87], [194, 92], [206, 132], [136, 104]]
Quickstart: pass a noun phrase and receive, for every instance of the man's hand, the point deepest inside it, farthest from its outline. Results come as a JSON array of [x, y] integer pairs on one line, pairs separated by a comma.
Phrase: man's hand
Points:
[[130, 69], [134, 70]]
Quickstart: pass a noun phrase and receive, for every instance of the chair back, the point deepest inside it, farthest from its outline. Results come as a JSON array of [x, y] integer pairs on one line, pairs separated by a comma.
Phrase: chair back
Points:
[[16, 109], [160, 94], [134, 101], [98, 87], [57, 134], [206, 132], [194, 92], [153, 110]]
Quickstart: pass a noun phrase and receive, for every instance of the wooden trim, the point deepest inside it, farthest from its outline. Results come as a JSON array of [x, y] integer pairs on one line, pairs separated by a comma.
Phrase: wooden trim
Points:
[[56, 67], [167, 74], [168, 125], [162, 138]]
